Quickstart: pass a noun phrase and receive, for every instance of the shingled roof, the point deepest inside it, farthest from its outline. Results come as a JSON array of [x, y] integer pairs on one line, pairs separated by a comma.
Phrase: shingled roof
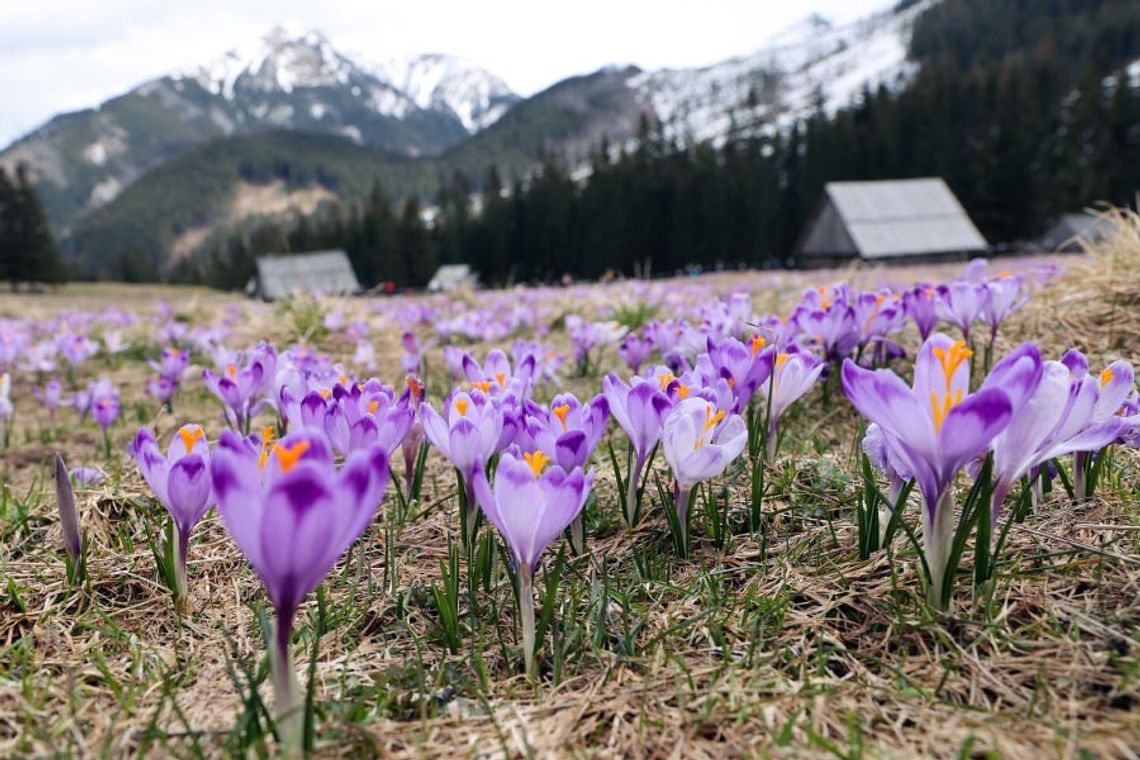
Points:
[[280, 276], [890, 219]]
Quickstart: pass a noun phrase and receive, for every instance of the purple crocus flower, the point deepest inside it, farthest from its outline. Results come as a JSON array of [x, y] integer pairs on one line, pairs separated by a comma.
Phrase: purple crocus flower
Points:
[[495, 376], [744, 368], [171, 364], [51, 395], [1058, 418], [879, 452], [634, 350], [699, 443], [567, 432], [105, 404], [794, 374], [922, 306], [640, 409], [467, 434], [180, 480], [935, 428], [88, 476], [530, 505], [240, 387], [293, 514], [1004, 295], [410, 446], [960, 304]]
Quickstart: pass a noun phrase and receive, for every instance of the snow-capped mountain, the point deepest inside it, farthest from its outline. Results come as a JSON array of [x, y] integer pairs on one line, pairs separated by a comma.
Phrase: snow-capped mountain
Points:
[[446, 83], [813, 62]]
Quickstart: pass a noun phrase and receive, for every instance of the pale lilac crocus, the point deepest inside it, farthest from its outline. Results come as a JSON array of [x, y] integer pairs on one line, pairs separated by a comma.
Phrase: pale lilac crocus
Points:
[[794, 374], [745, 368], [239, 388], [468, 434], [934, 429], [699, 443], [1003, 296], [88, 476], [961, 304], [530, 505], [292, 513], [414, 440], [1058, 418], [640, 410], [180, 480]]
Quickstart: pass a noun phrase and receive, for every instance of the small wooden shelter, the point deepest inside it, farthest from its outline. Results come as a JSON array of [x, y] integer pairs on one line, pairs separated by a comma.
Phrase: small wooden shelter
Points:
[[888, 220], [284, 275]]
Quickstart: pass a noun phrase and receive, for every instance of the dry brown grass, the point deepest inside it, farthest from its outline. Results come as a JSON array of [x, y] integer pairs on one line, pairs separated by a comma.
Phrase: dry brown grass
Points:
[[790, 647]]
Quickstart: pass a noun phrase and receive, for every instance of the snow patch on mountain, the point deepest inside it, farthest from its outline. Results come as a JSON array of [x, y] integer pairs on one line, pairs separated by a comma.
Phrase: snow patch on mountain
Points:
[[814, 62], [440, 82]]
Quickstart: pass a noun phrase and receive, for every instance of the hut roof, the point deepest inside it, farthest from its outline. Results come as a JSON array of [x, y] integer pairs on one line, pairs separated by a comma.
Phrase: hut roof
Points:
[[280, 276], [890, 218]]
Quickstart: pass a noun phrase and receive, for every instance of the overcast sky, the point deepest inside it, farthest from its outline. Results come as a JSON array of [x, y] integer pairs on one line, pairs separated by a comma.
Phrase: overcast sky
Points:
[[62, 55]]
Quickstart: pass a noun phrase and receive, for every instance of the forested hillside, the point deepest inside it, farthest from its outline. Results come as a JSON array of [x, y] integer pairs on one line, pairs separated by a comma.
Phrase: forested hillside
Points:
[[1028, 110]]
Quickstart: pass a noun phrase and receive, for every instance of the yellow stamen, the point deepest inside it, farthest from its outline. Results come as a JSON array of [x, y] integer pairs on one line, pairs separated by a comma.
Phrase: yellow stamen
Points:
[[266, 435], [665, 378], [288, 456], [373, 406], [758, 344], [951, 360], [231, 370], [683, 391], [711, 421], [461, 406], [325, 392], [781, 360], [502, 378], [942, 410], [483, 385], [537, 460], [560, 412], [1107, 376], [190, 436], [417, 389], [343, 380]]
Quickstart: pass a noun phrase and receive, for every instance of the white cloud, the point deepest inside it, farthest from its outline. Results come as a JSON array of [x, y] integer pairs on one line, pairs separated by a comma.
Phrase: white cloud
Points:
[[60, 55]]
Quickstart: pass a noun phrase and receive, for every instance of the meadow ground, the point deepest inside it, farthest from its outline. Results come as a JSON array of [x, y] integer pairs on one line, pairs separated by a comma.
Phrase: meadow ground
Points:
[[779, 643]]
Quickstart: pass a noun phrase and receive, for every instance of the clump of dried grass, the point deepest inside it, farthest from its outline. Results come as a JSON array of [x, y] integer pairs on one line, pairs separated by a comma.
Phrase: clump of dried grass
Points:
[[1097, 299]]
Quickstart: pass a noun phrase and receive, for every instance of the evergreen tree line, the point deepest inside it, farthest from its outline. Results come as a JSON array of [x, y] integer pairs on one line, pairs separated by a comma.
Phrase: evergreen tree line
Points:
[[27, 249], [1024, 108]]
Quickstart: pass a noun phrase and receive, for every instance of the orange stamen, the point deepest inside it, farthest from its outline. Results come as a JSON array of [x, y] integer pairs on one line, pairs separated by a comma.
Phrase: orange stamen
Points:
[[231, 370], [483, 385], [951, 360], [461, 406], [502, 378], [288, 456], [758, 344], [417, 389], [683, 391], [1106, 376], [781, 360], [373, 406], [942, 410], [190, 436], [665, 378], [537, 460], [560, 412]]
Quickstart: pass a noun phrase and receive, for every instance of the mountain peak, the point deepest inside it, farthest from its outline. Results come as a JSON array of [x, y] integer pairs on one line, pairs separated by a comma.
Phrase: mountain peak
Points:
[[449, 83]]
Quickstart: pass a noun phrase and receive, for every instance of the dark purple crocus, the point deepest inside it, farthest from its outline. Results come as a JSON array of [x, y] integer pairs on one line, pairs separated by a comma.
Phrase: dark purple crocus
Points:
[[936, 428], [640, 409], [292, 513], [180, 480]]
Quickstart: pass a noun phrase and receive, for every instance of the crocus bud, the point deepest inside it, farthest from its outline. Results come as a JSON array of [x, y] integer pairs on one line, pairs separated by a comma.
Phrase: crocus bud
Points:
[[68, 518]]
